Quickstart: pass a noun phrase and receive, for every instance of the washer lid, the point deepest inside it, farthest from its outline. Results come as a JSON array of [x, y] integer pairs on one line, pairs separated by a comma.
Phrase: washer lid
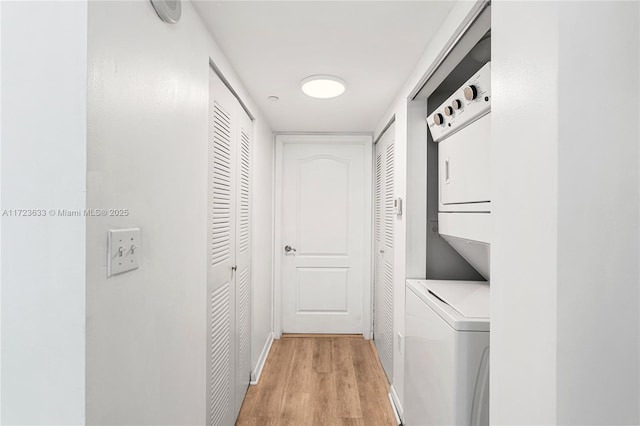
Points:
[[469, 298]]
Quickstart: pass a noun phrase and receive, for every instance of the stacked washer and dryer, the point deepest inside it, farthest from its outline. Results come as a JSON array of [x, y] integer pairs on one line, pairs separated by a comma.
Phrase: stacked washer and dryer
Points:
[[447, 322]]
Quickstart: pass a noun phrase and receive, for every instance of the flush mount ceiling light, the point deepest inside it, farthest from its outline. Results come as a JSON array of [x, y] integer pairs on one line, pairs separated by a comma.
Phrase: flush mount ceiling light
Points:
[[323, 86]]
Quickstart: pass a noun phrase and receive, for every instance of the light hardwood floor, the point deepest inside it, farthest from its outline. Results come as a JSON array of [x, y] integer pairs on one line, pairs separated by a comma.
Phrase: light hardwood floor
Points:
[[319, 380]]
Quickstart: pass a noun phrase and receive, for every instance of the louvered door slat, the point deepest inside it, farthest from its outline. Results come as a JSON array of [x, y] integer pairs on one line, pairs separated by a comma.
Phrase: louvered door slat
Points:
[[220, 360], [378, 198], [222, 170], [245, 146], [386, 325], [378, 229], [389, 195], [244, 326]]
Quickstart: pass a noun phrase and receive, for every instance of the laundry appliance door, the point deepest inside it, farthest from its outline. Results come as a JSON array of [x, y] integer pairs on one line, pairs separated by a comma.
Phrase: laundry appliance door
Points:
[[464, 167]]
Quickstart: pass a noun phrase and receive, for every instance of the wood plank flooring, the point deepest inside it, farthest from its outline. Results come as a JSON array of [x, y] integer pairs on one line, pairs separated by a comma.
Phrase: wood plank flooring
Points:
[[319, 380]]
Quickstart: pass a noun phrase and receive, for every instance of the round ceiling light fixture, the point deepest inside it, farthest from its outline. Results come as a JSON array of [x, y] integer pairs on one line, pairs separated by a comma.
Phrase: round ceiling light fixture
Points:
[[323, 86]]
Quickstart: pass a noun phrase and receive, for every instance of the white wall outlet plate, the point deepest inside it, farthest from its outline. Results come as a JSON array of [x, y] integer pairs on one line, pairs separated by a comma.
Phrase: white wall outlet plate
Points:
[[124, 250]]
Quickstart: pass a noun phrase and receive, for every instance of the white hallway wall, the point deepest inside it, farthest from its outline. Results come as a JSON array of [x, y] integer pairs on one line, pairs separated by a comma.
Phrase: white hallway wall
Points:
[[565, 334], [147, 151], [525, 203], [43, 137], [598, 354]]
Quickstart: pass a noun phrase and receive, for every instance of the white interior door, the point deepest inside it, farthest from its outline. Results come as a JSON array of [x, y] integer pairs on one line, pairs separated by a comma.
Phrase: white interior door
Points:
[[243, 257], [229, 255], [221, 254], [325, 203], [384, 217]]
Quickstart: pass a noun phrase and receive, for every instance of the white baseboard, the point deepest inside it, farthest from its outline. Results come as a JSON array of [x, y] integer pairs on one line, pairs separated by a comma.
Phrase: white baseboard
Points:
[[395, 411], [255, 374], [395, 403]]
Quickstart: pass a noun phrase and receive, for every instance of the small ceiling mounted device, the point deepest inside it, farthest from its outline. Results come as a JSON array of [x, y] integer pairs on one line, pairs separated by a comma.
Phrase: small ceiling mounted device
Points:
[[168, 10], [323, 86]]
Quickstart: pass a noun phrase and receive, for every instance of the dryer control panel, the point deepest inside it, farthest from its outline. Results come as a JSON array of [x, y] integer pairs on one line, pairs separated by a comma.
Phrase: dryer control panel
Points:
[[467, 104]]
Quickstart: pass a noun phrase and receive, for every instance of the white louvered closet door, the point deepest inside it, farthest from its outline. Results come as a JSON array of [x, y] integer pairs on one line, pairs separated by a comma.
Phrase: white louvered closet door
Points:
[[229, 249], [383, 248], [221, 254], [243, 257]]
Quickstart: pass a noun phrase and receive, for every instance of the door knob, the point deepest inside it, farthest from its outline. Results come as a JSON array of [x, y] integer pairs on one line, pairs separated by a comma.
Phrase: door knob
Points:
[[289, 249]]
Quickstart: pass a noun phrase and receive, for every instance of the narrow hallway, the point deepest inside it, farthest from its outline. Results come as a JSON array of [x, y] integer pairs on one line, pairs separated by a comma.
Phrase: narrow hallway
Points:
[[319, 380]]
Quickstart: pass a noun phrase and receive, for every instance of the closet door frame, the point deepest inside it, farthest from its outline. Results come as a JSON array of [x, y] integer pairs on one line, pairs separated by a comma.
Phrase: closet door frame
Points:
[[384, 264], [243, 258], [242, 121], [221, 254]]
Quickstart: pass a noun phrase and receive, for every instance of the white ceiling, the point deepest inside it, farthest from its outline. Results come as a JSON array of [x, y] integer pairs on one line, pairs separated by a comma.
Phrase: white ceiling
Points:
[[372, 45]]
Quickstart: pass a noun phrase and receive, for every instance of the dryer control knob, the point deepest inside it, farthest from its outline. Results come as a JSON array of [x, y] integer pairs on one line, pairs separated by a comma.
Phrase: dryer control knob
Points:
[[448, 111], [456, 104], [438, 119], [470, 92]]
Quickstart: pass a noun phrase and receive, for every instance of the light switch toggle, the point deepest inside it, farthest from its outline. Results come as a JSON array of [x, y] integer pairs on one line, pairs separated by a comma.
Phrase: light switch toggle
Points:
[[124, 250]]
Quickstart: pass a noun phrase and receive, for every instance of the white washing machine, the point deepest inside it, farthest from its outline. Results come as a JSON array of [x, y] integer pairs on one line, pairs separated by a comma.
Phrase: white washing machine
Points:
[[446, 353]]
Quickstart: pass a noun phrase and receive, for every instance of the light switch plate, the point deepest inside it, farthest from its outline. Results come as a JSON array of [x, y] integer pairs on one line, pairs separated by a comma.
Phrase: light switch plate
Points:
[[124, 250], [397, 206]]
